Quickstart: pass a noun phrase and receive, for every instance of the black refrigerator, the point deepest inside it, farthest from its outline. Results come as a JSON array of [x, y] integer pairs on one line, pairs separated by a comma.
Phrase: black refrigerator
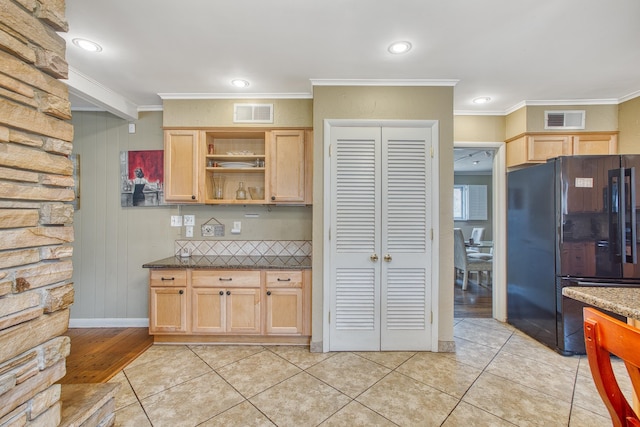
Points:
[[570, 222]]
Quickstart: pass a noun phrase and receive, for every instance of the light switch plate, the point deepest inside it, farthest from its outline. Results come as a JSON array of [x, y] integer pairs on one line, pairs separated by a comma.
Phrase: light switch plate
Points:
[[188, 231], [176, 220], [189, 220]]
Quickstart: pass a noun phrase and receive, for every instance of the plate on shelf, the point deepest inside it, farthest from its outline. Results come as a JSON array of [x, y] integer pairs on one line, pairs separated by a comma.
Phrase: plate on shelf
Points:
[[240, 153], [236, 164]]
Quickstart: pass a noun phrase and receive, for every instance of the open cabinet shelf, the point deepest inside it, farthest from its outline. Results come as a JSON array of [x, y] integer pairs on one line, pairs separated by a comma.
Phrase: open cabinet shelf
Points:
[[232, 158]]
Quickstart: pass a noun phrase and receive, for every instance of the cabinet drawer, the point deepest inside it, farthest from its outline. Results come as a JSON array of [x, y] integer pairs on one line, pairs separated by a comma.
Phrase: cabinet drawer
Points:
[[284, 279], [164, 277], [225, 278]]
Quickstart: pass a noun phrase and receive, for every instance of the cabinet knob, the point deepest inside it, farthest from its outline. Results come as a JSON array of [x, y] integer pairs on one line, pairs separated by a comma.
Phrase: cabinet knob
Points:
[[273, 197], [387, 258], [374, 257], [228, 292], [221, 292], [193, 197], [268, 292], [181, 292]]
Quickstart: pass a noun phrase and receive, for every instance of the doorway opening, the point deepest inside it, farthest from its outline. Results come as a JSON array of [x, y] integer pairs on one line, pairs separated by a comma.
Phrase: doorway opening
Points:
[[479, 175]]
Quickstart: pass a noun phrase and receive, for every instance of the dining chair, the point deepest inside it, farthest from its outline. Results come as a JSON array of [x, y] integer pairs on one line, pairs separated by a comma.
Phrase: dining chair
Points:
[[465, 264], [476, 236], [605, 336], [477, 233]]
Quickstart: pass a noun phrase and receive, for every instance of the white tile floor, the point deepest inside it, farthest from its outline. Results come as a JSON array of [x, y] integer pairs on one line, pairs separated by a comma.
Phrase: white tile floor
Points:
[[497, 377]]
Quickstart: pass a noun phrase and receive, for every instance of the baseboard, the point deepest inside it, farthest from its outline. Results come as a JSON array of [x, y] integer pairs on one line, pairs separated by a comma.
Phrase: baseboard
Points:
[[446, 346], [109, 323]]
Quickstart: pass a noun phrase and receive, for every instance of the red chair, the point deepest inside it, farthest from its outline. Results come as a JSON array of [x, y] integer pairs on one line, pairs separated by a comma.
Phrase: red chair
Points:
[[605, 336]]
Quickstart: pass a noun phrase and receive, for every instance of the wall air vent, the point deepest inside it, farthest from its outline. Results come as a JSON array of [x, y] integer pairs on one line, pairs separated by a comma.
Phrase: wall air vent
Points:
[[569, 119], [253, 113]]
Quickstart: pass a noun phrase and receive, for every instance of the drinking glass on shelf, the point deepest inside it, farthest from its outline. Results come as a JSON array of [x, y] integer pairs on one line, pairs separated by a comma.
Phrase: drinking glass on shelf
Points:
[[218, 187]]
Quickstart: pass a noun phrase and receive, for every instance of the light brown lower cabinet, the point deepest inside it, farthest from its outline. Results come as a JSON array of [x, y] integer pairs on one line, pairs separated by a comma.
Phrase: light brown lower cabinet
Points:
[[230, 303], [225, 301], [284, 304], [168, 301]]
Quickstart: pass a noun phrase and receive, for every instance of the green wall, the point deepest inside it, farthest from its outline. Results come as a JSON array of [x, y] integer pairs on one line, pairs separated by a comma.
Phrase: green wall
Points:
[[113, 242]]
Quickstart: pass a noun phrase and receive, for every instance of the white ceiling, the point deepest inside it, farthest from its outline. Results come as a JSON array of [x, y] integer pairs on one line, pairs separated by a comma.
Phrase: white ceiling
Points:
[[516, 52], [472, 161]]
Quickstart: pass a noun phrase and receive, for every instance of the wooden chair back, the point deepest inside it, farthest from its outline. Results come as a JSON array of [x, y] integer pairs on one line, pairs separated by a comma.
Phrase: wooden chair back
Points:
[[606, 336]]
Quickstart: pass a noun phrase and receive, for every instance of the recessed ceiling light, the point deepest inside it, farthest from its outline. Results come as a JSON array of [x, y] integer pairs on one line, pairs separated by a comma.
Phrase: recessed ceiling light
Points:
[[240, 83], [476, 162], [481, 100], [400, 47], [87, 45]]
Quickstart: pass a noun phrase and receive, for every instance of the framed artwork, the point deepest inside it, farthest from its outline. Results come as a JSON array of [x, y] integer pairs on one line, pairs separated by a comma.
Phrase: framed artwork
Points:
[[75, 160], [142, 178]]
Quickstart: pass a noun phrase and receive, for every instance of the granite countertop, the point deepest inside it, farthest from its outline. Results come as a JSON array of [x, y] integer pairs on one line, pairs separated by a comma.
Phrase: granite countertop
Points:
[[624, 301], [234, 262]]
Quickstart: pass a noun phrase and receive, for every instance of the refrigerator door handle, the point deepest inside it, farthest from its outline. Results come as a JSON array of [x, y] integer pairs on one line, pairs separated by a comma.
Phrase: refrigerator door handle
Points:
[[622, 215], [633, 258], [616, 215]]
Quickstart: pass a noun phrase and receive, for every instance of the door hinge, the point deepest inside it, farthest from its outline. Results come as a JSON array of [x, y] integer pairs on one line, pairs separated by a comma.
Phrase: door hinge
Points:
[[329, 321], [329, 233], [431, 321], [330, 149], [432, 234], [432, 152]]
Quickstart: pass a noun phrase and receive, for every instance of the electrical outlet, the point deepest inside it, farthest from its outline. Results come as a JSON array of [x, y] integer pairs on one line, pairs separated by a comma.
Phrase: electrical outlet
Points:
[[189, 220], [188, 231], [176, 220], [237, 226]]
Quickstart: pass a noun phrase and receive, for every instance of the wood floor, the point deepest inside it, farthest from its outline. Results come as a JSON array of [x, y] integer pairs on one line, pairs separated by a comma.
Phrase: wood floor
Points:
[[97, 354], [476, 301]]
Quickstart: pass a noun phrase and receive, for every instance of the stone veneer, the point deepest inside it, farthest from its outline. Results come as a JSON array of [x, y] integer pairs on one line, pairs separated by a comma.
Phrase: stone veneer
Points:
[[245, 247], [36, 218]]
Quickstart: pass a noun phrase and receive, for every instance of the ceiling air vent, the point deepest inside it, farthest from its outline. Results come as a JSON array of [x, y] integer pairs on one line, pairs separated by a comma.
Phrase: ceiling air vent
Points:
[[570, 119], [253, 113]]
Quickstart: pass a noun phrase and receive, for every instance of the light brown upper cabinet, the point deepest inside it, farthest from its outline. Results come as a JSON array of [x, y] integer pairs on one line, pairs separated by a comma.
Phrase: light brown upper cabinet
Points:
[[595, 144], [181, 166], [532, 148], [239, 166], [287, 166]]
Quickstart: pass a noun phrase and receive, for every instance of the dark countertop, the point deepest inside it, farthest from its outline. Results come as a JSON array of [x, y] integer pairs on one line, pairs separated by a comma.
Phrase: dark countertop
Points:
[[234, 262]]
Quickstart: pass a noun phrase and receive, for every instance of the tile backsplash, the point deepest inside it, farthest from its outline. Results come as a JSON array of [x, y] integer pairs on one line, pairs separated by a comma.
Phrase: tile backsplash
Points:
[[245, 247]]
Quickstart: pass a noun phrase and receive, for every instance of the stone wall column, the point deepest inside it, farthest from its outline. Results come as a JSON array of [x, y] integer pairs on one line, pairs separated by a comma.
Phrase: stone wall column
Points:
[[36, 214]]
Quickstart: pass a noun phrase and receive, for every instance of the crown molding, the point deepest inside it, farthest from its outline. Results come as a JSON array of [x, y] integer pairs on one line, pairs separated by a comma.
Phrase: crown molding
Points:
[[629, 97], [547, 103], [478, 113], [556, 102], [384, 82], [150, 108], [169, 96]]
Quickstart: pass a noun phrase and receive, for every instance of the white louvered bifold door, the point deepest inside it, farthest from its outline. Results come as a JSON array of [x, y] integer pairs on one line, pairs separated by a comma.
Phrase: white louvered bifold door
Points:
[[355, 227], [380, 239], [406, 239]]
